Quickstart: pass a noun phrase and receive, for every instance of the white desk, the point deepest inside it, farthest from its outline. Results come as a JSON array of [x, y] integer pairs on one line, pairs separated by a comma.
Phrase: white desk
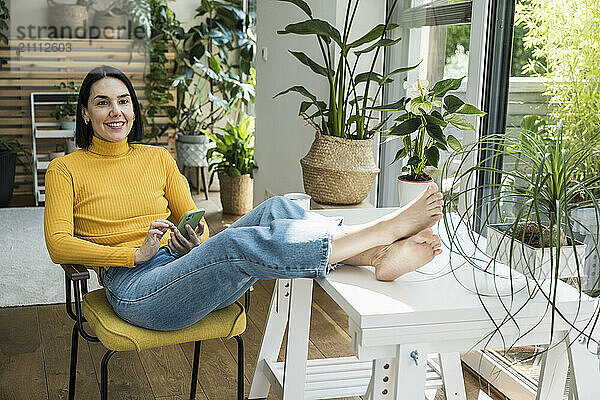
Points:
[[394, 325]]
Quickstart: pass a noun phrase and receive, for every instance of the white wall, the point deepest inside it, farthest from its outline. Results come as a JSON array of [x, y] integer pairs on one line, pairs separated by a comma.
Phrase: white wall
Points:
[[282, 137]]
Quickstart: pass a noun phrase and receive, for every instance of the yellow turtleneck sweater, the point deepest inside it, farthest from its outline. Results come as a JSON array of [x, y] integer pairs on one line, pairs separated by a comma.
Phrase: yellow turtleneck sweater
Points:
[[100, 202]]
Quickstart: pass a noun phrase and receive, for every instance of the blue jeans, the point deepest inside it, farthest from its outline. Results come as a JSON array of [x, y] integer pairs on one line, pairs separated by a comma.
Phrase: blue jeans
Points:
[[277, 239]]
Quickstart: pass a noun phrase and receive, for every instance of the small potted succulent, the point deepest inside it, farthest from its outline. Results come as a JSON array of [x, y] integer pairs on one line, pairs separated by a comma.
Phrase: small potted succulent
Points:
[[427, 113]]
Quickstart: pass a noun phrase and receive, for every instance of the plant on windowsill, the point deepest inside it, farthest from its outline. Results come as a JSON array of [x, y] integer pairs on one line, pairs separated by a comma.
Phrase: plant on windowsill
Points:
[[534, 204], [427, 113], [340, 168], [233, 160]]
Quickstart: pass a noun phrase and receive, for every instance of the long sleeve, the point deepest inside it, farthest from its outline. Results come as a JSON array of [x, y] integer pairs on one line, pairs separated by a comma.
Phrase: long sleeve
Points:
[[177, 193], [63, 246]]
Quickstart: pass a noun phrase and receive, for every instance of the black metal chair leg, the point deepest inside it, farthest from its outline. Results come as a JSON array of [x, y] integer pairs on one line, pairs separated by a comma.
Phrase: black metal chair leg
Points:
[[73, 369], [195, 370], [104, 374], [240, 388]]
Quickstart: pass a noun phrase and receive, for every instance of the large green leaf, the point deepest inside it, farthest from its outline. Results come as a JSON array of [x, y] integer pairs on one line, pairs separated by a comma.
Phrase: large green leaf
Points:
[[459, 122], [306, 60], [435, 131], [452, 103], [373, 34], [314, 27], [400, 70], [470, 110], [400, 154], [365, 76], [454, 143], [380, 43], [407, 127], [434, 120], [444, 86], [301, 4], [432, 155]]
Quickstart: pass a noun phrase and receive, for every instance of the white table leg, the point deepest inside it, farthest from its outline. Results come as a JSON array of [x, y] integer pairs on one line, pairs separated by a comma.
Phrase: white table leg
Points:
[[555, 366], [272, 338], [454, 382], [585, 369], [296, 354], [410, 372], [382, 383]]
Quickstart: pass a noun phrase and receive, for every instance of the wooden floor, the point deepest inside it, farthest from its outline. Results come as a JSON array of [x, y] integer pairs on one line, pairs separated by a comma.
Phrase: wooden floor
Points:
[[35, 343]]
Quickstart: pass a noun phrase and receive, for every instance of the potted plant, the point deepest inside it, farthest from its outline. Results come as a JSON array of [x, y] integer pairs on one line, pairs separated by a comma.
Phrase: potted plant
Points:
[[422, 126], [11, 151], [339, 167], [65, 112], [533, 202], [233, 159]]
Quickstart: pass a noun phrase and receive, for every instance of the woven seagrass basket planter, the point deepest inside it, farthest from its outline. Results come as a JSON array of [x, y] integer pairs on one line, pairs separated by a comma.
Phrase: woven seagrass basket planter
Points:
[[236, 193], [67, 15], [339, 171]]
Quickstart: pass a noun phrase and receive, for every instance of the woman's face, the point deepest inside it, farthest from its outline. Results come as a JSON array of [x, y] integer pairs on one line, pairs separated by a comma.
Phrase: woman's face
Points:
[[109, 110]]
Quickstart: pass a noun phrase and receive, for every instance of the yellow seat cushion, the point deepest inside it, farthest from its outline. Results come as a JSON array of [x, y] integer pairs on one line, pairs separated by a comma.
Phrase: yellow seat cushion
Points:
[[116, 334]]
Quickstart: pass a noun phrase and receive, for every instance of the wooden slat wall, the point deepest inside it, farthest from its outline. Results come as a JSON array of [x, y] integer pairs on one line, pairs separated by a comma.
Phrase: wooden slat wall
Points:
[[40, 65]]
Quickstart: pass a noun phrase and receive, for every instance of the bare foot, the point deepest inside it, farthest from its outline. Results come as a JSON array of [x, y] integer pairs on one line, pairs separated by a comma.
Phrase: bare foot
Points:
[[422, 213], [394, 260]]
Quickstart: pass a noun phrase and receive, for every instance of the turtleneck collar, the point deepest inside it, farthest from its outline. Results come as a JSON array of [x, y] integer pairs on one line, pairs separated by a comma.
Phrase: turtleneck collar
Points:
[[106, 148]]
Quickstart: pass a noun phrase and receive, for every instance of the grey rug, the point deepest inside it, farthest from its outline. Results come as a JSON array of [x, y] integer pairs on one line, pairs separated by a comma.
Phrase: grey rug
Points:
[[27, 275]]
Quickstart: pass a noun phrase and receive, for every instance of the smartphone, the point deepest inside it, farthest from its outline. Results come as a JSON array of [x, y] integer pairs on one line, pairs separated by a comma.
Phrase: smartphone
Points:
[[191, 218]]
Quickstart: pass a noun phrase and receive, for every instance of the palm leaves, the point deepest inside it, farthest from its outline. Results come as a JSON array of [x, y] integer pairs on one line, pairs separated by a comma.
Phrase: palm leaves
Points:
[[348, 110]]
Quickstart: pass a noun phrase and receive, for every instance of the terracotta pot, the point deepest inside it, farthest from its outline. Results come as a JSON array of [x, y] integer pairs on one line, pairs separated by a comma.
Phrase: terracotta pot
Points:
[[339, 171], [236, 193]]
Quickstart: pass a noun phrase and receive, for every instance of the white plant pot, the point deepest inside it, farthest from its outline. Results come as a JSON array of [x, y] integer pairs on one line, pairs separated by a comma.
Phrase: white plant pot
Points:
[[408, 190], [533, 262], [68, 124], [191, 150]]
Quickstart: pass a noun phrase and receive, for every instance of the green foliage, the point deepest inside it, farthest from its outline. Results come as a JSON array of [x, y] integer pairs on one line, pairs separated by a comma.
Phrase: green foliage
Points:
[[564, 36], [69, 108], [348, 111], [421, 125], [234, 150], [544, 189], [12, 145], [209, 87]]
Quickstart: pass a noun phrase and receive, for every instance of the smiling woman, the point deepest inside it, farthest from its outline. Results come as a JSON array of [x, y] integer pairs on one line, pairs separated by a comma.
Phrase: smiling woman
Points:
[[112, 205]]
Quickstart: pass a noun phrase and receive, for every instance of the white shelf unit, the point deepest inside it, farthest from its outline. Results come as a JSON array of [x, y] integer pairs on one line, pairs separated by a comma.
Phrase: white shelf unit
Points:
[[44, 130]]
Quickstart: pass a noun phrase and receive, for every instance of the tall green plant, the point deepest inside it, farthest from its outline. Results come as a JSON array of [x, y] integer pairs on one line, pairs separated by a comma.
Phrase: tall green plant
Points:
[[564, 36], [348, 110], [543, 191]]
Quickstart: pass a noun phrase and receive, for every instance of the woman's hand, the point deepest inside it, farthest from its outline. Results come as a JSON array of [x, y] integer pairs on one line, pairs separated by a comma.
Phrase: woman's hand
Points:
[[152, 241], [180, 245]]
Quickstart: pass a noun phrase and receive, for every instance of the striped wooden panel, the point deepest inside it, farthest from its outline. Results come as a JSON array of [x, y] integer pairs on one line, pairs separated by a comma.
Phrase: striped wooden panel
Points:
[[40, 66]]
